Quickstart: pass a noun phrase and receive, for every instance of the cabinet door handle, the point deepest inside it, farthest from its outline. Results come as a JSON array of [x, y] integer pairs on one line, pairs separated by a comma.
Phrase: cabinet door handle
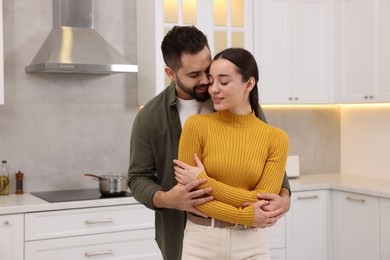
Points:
[[108, 252], [355, 199], [98, 221], [307, 197]]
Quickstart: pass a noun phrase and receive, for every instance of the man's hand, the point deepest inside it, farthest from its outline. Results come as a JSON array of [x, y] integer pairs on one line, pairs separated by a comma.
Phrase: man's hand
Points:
[[263, 218], [183, 197], [276, 201]]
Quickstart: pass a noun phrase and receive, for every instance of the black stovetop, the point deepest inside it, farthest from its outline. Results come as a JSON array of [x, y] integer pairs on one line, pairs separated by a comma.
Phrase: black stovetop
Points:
[[74, 195]]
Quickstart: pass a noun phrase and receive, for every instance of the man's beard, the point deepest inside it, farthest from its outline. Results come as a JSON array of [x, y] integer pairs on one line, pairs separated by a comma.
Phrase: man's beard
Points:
[[199, 96]]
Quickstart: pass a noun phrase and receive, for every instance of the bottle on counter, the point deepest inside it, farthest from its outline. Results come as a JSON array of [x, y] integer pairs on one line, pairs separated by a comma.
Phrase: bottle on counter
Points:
[[19, 182], [4, 179]]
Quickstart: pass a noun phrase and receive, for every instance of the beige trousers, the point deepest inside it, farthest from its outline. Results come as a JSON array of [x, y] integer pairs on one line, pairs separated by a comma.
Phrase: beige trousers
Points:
[[209, 243]]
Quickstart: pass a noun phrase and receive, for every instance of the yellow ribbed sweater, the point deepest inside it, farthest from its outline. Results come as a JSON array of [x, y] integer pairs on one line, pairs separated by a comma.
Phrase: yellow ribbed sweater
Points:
[[242, 155]]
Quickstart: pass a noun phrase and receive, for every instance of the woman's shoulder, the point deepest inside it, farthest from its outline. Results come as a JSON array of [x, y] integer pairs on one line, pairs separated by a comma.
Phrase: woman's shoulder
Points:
[[276, 131], [279, 133]]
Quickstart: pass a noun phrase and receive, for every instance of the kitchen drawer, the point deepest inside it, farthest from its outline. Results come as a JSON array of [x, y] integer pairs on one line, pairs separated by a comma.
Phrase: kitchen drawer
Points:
[[137, 244], [75, 222]]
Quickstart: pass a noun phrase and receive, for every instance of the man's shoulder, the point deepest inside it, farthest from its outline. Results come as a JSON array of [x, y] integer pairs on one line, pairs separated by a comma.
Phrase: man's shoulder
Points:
[[158, 104]]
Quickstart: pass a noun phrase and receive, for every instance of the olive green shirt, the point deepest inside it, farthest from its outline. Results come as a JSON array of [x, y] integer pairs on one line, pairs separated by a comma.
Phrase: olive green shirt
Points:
[[153, 146]]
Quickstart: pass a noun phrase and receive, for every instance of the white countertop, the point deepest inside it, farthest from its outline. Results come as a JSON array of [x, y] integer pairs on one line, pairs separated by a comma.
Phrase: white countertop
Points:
[[27, 202], [12, 204], [343, 182]]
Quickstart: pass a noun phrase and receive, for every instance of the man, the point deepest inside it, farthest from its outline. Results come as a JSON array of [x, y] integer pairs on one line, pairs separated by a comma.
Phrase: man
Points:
[[155, 138]]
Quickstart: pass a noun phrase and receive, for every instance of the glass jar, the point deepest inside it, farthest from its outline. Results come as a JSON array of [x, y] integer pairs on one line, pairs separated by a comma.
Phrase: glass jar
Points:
[[4, 179]]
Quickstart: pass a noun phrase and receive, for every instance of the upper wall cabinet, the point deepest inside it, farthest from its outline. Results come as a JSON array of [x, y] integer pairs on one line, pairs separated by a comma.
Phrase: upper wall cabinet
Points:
[[294, 46], [227, 23], [1, 56], [364, 38]]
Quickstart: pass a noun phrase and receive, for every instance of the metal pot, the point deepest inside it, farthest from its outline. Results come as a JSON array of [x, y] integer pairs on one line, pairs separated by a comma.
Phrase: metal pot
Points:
[[112, 185]]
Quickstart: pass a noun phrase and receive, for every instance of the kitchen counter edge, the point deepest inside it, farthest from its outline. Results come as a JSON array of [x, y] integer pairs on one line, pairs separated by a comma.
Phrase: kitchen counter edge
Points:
[[367, 185], [26, 203]]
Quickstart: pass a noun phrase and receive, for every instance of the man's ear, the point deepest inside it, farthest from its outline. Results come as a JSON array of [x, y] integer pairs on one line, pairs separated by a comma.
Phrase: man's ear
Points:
[[170, 73]]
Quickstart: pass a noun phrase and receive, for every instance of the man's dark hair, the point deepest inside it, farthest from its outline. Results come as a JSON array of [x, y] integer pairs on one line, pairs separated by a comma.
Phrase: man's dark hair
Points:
[[182, 40]]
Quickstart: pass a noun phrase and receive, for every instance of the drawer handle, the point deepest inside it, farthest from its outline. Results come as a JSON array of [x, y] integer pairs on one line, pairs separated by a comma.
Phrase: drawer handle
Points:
[[355, 199], [108, 220], [108, 252], [307, 197]]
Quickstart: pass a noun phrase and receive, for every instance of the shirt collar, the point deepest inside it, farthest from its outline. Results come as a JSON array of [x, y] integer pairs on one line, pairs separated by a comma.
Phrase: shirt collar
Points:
[[172, 94]]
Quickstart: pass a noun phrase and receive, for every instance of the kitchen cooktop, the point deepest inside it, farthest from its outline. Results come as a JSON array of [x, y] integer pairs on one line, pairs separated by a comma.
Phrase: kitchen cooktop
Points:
[[74, 195]]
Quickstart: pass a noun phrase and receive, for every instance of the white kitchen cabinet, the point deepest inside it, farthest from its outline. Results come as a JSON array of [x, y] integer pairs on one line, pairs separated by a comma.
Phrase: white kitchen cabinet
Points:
[[294, 47], [277, 239], [385, 228], [308, 225], [364, 38], [114, 232], [11, 237], [227, 23], [356, 226]]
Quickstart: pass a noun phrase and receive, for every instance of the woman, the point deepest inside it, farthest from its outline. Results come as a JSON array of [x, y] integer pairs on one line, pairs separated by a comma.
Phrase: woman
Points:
[[242, 156]]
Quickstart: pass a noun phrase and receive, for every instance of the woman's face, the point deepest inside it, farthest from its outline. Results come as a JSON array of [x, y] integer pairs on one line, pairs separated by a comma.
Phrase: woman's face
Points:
[[227, 89]]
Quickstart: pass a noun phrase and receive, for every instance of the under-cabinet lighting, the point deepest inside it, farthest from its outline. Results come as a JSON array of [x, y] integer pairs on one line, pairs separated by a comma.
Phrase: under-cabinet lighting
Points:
[[366, 105], [328, 106], [301, 106]]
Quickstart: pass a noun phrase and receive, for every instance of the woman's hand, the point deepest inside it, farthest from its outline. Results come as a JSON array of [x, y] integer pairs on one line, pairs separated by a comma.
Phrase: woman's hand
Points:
[[276, 201], [185, 173], [264, 218]]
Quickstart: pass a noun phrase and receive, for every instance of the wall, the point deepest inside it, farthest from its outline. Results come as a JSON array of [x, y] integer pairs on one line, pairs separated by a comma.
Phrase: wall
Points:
[[365, 140], [56, 127], [314, 134]]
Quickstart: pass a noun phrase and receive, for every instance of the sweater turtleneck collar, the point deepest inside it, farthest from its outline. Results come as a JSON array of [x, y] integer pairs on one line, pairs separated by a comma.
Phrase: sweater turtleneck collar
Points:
[[237, 120]]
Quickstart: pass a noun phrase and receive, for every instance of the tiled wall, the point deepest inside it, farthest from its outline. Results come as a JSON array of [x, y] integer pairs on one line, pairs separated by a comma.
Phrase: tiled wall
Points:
[[314, 133], [365, 135], [56, 127]]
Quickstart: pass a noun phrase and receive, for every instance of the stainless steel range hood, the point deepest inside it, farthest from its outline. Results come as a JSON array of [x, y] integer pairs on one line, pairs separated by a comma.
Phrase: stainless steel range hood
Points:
[[73, 46]]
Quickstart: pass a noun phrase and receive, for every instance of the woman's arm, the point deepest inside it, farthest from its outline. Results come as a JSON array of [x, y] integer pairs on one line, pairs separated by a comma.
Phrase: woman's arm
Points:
[[229, 205], [270, 181]]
